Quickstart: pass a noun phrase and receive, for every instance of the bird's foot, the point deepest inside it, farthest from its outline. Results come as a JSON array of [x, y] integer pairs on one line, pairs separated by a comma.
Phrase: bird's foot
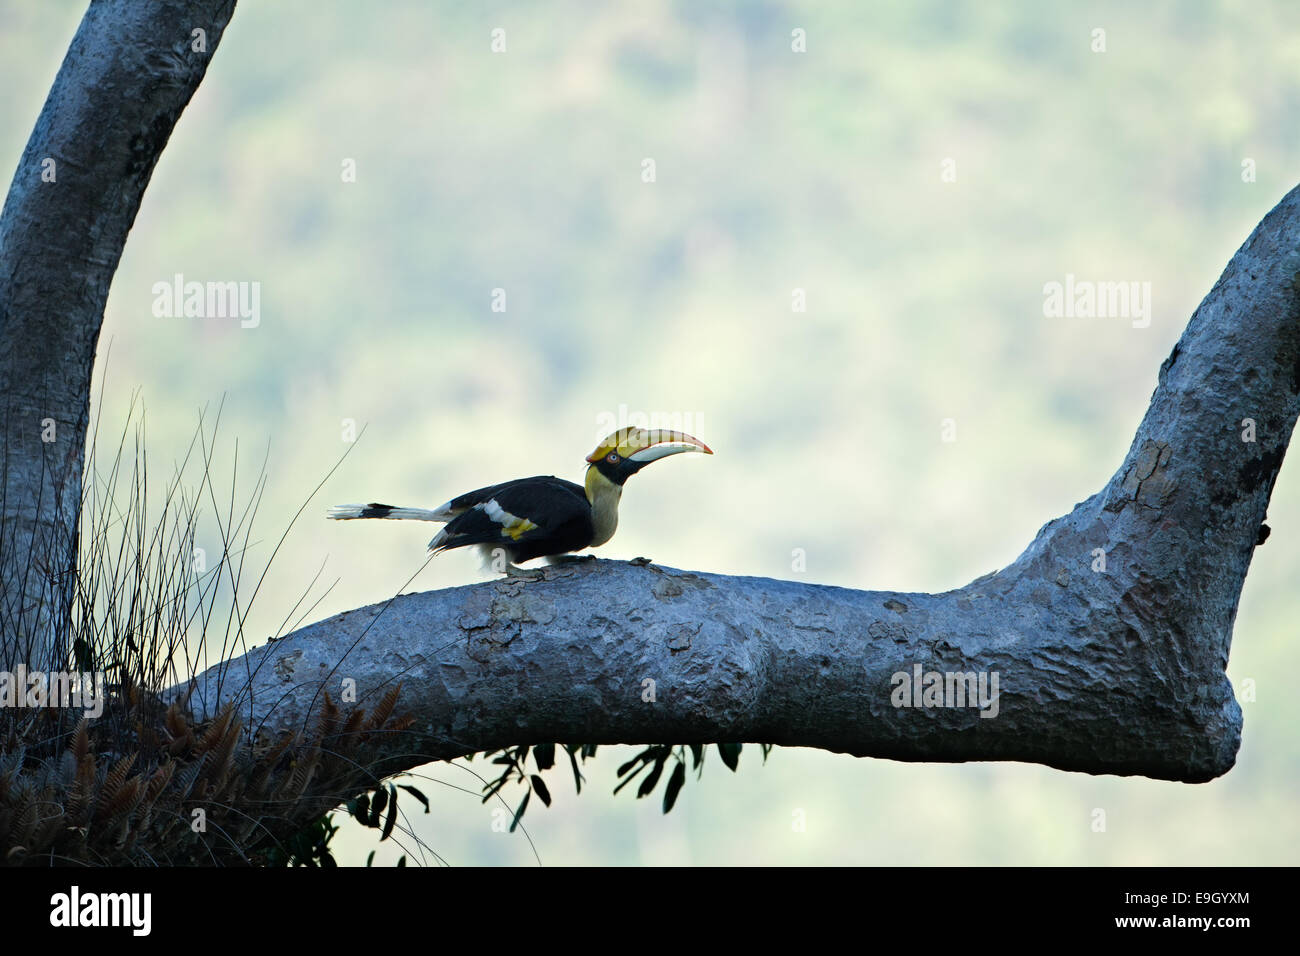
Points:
[[570, 559], [640, 562], [524, 574]]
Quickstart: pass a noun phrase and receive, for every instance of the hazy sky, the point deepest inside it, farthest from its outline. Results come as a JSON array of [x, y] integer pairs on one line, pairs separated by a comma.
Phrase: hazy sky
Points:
[[824, 235]]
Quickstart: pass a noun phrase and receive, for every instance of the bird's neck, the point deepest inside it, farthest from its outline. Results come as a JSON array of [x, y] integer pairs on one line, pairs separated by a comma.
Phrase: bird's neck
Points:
[[603, 495]]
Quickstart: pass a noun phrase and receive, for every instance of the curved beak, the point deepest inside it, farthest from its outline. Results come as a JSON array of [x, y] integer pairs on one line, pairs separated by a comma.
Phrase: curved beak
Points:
[[643, 446], [665, 443]]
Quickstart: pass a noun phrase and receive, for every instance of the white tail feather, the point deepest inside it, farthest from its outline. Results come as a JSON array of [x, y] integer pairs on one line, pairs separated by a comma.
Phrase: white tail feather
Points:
[[344, 512], [417, 514]]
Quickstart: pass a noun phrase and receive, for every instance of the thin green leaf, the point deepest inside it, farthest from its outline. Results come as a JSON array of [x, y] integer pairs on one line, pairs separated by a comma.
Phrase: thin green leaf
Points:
[[648, 784], [491, 789], [540, 787], [697, 755], [674, 785], [417, 794], [629, 779], [730, 754], [392, 814], [523, 805], [377, 808], [637, 764], [642, 757], [544, 755], [577, 774], [360, 808]]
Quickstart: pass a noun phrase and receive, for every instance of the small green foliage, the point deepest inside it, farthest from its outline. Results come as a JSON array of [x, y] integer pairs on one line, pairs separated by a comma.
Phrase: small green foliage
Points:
[[648, 767], [308, 847]]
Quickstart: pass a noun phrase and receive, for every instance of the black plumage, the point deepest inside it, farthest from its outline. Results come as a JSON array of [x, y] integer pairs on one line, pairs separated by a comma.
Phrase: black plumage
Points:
[[499, 516]]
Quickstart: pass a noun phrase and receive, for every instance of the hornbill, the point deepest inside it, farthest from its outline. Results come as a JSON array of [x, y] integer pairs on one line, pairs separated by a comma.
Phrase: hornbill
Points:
[[543, 516]]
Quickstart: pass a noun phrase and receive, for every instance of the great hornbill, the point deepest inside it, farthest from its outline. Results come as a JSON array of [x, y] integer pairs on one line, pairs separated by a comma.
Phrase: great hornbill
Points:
[[543, 516]]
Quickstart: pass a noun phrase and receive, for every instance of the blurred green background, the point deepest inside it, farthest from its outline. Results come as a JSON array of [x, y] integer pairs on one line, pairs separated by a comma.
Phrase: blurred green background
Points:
[[775, 171]]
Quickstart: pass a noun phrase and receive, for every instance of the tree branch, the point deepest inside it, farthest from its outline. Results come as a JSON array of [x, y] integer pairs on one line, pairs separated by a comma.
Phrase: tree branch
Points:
[[1116, 670], [129, 72]]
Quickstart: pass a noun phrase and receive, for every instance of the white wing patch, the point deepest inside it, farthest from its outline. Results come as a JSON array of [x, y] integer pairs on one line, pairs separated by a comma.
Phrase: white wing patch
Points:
[[512, 526]]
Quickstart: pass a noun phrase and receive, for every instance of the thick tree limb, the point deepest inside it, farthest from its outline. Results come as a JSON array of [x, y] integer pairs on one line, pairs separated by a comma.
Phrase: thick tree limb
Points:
[[129, 72], [1116, 671]]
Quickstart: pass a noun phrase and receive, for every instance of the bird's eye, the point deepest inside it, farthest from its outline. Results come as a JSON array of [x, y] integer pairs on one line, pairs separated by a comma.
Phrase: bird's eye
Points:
[[612, 458]]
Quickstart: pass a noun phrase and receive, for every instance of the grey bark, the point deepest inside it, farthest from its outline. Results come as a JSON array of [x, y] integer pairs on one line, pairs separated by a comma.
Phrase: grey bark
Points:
[[1120, 670], [129, 72], [1114, 671]]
